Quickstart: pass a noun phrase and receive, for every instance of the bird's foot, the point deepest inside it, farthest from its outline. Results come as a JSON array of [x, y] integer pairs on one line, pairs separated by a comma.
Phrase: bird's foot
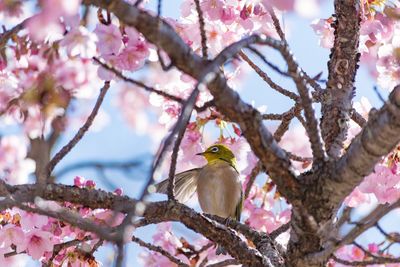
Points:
[[220, 250]]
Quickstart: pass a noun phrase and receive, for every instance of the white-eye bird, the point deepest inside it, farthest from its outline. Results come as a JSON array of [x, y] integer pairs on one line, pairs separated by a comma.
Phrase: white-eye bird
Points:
[[217, 184]]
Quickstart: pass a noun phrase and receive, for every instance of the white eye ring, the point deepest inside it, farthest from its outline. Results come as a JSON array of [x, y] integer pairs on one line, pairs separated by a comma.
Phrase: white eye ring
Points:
[[214, 149]]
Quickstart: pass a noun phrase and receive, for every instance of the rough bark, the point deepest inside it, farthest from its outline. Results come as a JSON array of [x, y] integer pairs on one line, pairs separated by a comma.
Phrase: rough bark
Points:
[[342, 67]]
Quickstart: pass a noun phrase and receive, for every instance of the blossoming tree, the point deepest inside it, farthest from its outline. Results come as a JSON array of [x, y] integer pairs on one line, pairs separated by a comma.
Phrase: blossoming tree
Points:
[[55, 53]]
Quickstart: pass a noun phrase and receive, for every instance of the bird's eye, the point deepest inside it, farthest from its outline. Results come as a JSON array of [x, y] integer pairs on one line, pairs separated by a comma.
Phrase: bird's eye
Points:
[[214, 149]]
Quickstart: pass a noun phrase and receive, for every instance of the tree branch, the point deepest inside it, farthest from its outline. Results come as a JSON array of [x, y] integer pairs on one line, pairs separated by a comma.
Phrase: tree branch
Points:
[[380, 135], [159, 250], [78, 136], [202, 29], [342, 67], [157, 211], [118, 165]]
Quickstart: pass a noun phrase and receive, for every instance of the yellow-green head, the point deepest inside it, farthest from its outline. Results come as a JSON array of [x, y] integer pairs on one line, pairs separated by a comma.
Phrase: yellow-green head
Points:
[[219, 152]]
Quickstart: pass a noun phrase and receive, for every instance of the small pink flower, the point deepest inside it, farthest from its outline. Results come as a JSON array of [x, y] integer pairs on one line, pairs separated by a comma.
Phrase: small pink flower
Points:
[[373, 248], [11, 234], [79, 41], [79, 181], [357, 198], [111, 218], [37, 242], [118, 192], [324, 30], [212, 8], [109, 39], [90, 184], [383, 183], [31, 220], [40, 26]]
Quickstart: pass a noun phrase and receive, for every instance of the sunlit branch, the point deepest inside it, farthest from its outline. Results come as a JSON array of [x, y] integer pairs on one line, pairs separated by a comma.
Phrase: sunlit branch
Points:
[[342, 68], [358, 118], [228, 262], [157, 212]]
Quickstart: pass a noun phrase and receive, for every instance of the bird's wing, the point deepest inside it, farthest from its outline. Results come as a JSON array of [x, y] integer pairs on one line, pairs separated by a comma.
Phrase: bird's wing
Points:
[[185, 185]]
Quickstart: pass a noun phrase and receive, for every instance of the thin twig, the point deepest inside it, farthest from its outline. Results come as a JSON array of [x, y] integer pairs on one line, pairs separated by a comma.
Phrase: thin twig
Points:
[[202, 29], [159, 250], [5, 36], [81, 132], [298, 158], [392, 237], [275, 21], [358, 118], [313, 130], [267, 62], [188, 107], [119, 261], [123, 165], [380, 260], [253, 175], [274, 234], [58, 247], [267, 79], [363, 225], [224, 263], [149, 88], [138, 2]]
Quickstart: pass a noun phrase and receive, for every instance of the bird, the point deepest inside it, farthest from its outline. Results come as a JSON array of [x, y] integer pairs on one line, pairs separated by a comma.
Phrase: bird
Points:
[[217, 183]]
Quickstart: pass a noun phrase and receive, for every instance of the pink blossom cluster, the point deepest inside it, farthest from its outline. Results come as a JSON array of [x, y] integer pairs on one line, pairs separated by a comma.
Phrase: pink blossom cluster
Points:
[[383, 184], [38, 85], [261, 210], [353, 253], [123, 48], [179, 248], [11, 8], [379, 40], [226, 22], [48, 23], [15, 167], [37, 235]]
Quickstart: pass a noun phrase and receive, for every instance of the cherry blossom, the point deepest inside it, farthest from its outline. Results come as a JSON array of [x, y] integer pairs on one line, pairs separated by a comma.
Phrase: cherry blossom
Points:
[[79, 41], [109, 39], [11, 234], [14, 166], [37, 242], [324, 30]]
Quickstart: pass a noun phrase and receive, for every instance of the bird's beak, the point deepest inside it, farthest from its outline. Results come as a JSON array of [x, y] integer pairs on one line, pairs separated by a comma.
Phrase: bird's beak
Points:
[[200, 154]]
